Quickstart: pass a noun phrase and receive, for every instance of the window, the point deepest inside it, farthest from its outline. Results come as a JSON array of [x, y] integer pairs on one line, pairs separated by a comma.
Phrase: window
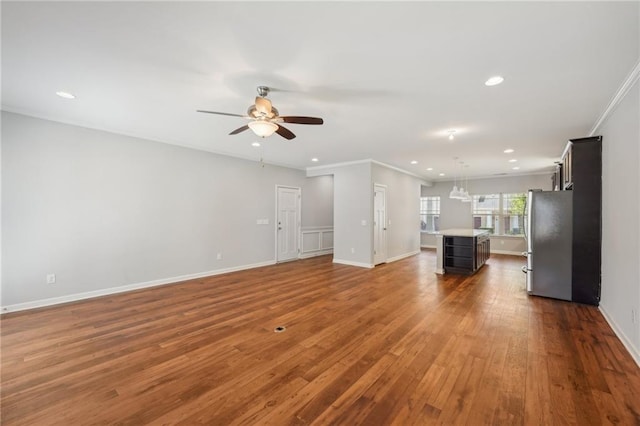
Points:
[[486, 212], [513, 213], [500, 214], [429, 214]]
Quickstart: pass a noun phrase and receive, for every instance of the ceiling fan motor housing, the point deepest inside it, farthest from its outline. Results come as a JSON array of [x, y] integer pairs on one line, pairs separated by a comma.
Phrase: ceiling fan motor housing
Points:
[[252, 111], [263, 91]]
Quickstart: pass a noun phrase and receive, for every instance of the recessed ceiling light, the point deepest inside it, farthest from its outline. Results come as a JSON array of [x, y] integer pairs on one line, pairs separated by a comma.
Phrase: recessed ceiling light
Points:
[[65, 95], [494, 81], [451, 132], [513, 160], [516, 168], [256, 144], [414, 162], [314, 159], [429, 169], [508, 151], [441, 174]]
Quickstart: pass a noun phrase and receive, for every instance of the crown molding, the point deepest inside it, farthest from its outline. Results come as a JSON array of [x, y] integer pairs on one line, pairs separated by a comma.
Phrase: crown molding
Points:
[[397, 169], [336, 165], [117, 132], [617, 98], [367, 161]]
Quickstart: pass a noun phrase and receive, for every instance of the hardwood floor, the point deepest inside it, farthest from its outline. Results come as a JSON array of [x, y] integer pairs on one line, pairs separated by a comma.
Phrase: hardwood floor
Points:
[[394, 345]]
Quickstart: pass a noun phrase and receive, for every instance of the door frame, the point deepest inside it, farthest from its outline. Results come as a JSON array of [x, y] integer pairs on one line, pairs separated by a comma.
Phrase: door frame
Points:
[[384, 189], [275, 222]]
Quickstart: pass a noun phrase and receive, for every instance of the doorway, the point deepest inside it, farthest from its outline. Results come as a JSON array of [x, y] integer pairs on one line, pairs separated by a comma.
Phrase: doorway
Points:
[[379, 224], [287, 222]]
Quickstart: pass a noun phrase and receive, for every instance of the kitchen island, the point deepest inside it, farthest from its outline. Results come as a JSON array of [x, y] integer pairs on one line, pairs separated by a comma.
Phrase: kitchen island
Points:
[[462, 251]]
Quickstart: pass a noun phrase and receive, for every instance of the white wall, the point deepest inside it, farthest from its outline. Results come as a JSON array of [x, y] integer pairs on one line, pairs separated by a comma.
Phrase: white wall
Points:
[[103, 211], [620, 217], [403, 211], [456, 214], [317, 201], [353, 204]]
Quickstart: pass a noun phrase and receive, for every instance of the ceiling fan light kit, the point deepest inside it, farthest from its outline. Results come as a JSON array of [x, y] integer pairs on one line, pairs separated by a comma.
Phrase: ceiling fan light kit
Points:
[[265, 118], [263, 128]]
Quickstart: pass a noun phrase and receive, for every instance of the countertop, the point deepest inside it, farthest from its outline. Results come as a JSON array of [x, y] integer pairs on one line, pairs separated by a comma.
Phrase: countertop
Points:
[[462, 232]]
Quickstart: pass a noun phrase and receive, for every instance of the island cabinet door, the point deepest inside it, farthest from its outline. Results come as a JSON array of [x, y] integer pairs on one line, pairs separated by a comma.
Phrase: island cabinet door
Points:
[[483, 249]]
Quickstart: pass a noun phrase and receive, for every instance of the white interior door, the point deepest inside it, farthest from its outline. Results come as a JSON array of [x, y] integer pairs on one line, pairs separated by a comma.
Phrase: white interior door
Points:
[[288, 223], [379, 224]]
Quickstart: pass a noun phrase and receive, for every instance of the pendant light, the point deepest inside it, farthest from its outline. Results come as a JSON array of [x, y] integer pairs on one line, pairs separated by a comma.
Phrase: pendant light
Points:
[[461, 191], [466, 198], [455, 193]]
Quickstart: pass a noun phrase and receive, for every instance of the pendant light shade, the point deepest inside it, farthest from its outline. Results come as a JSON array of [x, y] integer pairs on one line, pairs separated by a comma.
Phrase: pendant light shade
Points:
[[455, 193], [263, 128], [466, 198]]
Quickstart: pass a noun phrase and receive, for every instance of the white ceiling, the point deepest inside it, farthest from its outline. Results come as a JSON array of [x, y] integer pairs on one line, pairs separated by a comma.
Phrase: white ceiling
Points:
[[388, 78]]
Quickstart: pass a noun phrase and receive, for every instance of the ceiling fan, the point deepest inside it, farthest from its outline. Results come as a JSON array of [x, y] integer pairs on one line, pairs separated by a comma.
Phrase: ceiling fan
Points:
[[265, 119]]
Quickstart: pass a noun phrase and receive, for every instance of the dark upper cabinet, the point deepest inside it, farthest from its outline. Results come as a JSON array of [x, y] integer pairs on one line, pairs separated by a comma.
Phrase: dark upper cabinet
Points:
[[567, 167], [557, 178], [583, 160]]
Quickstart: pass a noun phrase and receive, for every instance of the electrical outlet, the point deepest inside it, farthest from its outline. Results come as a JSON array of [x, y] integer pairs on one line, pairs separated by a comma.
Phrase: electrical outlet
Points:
[[51, 278], [353, 250], [219, 256], [634, 316]]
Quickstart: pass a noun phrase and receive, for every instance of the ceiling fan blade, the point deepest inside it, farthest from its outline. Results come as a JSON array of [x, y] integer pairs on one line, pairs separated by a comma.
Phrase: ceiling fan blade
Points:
[[285, 133], [222, 113], [263, 105], [240, 129], [302, 120]]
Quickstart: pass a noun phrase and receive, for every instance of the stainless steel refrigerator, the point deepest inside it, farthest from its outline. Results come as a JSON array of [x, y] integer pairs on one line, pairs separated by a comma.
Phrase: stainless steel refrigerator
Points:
[[549, 236]]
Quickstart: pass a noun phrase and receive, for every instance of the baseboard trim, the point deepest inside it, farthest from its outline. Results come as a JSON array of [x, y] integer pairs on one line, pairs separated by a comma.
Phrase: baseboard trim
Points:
[[350, 263], [122, 289], [634, 352], [427, 246], [402, 256], [512, 253], [315, 253]]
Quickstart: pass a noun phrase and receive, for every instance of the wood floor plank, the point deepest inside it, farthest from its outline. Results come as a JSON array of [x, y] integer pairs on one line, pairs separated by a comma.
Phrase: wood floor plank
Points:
[[393, 345], [537, 398]]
